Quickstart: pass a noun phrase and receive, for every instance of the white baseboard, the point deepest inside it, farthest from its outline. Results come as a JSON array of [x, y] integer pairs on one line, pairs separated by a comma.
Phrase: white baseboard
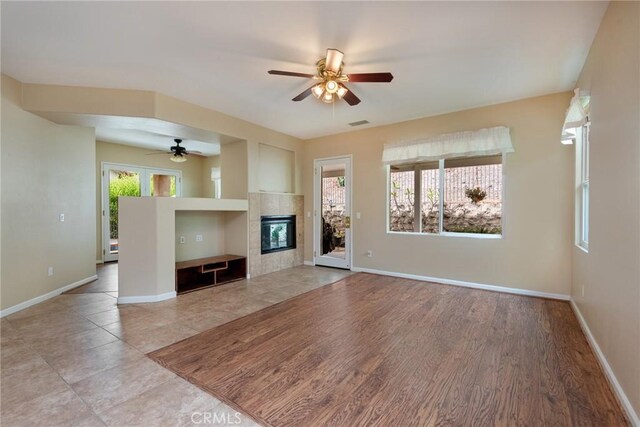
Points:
[[617, 388], [465, 284], [147, 298], [48, 295], [310, 263], [99, 261]]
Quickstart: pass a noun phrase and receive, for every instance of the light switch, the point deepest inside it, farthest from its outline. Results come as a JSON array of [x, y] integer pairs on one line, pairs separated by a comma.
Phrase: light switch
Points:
[[357, 215], [61, 217], [182, 240]]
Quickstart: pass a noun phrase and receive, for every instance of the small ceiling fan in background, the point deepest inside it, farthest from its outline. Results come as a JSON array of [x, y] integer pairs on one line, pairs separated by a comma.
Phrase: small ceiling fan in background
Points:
[[178, 152], [331, 86]]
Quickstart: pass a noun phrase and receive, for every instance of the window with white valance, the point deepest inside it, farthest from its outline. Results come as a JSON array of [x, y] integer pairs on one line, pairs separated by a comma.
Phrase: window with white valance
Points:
[[449, 184], [483, 142]]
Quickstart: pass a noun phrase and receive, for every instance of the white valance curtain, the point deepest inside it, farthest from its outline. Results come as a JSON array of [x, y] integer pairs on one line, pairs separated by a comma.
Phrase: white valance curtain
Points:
[[577, 112], [483, 142]]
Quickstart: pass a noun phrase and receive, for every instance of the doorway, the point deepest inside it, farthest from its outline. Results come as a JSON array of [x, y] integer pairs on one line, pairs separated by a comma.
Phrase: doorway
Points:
[[332, 207], [120, 180]]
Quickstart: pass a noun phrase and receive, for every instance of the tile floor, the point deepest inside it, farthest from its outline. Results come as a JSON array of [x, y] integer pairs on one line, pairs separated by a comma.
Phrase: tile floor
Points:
[[79, 359]]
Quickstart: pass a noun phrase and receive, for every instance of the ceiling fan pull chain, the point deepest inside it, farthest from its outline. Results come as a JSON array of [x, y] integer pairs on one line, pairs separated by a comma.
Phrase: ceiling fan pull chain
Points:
[[333, 112]]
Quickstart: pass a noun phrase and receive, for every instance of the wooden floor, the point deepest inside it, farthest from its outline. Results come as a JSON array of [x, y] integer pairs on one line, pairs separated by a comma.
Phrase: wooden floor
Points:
[[374, 350]]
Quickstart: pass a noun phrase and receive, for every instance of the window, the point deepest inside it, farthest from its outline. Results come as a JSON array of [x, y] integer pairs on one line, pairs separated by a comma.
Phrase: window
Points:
[[216, 179], [453, 196], [582, 186], [402, 200]]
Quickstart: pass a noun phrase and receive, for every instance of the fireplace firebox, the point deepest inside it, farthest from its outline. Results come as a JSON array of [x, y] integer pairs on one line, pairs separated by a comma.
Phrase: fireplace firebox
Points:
[[278, 233]]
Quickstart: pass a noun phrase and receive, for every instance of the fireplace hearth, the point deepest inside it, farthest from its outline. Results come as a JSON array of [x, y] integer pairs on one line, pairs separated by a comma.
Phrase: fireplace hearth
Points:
[[278, 233]]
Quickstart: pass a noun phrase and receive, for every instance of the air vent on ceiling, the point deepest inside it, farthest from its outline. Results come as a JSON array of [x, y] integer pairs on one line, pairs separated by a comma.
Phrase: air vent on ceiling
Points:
[[359, 123]]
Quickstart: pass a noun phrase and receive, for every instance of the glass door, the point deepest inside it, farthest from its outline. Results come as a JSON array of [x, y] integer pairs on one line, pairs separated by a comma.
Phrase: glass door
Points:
[[163, 184], [333, 212], [117, 182], [130, 181]]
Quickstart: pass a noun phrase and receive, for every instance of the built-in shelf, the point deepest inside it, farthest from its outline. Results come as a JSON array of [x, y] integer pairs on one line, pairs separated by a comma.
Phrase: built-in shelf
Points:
[[147, 245], [206, 272]]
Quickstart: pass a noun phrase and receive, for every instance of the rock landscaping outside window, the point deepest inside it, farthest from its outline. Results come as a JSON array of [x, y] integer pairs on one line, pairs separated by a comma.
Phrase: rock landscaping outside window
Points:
[[472, 196]]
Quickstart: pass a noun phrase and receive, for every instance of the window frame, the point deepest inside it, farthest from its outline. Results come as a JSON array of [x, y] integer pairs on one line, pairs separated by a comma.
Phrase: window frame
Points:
[[582, 187], [417, 168]]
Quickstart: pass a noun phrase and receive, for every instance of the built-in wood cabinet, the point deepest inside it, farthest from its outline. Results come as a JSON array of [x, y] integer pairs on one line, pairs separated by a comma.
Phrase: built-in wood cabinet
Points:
[[205, 272]]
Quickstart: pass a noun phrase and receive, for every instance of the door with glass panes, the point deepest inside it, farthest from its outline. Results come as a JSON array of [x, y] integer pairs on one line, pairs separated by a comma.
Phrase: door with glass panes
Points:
[[332, 206], [120, 180]]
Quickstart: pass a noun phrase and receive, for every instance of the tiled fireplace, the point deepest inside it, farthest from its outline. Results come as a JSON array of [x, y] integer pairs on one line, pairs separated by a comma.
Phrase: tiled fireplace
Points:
[[288, 247]]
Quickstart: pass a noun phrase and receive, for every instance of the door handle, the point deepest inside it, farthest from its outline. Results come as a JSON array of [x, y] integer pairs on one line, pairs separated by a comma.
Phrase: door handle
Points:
[[347, 222]]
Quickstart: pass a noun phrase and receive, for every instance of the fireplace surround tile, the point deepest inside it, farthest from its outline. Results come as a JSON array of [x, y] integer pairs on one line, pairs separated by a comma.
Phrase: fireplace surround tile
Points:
[[274, 204]]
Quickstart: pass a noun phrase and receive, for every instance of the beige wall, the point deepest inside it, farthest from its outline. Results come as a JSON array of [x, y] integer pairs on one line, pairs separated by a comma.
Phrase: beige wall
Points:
[[210, 225], [68, 104], [192, 171], [47, 169], [537, 207], [175, 110], [234, 170], [610, 273], [276, 169]]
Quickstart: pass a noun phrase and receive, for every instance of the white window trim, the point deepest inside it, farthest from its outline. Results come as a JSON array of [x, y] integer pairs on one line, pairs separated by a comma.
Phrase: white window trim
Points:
[[582, 188], [441, 233]]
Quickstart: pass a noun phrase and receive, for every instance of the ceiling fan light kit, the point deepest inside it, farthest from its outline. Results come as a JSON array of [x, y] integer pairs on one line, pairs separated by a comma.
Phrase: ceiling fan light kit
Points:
[[332, 88], [329, 91], [178, 152]]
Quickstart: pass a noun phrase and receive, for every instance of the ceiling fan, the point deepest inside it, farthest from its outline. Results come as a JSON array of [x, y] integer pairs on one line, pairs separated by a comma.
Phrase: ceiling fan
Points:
[[331, 86], [178, 152]]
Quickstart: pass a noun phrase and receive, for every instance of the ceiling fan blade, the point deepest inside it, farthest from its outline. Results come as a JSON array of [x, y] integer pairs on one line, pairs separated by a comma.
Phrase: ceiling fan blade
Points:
[[160, 152], [194, 152], [334, 60], [303, 95], [350, 97], [290, 73], [370, 77]]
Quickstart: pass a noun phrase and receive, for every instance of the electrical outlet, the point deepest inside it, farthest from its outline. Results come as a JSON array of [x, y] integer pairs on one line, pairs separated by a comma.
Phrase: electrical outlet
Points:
[[61, 217], [370, 254], [357, 215], [198, 237], [50, 271], [183, 240]]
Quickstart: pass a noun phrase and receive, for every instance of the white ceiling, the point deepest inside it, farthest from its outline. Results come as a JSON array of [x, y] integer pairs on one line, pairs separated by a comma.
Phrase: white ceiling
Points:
[[445, 56]]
